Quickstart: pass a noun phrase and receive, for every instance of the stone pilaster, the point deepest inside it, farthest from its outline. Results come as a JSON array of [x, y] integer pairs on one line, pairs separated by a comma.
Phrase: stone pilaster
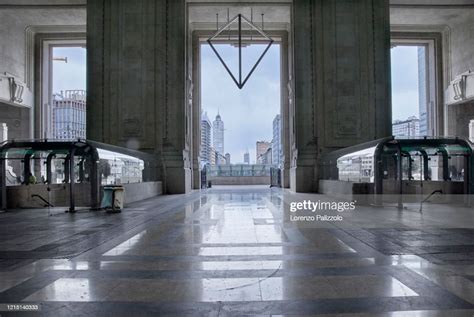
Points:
[[341, 80], [137, 84]]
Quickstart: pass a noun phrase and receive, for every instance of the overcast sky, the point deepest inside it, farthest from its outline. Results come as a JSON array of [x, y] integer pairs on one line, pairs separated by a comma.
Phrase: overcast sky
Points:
[[404, 82], [248, 113], [70, 75]]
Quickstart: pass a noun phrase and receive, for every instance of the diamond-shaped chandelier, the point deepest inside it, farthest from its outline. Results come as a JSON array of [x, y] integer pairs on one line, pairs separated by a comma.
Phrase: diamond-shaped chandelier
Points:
[[239, 80]]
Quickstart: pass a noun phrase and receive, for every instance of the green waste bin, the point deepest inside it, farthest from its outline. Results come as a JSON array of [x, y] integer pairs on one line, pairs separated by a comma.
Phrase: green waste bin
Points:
[[113, 198]]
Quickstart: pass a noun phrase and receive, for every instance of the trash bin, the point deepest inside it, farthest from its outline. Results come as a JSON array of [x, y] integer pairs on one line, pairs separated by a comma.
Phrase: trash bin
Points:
[[113, 198]]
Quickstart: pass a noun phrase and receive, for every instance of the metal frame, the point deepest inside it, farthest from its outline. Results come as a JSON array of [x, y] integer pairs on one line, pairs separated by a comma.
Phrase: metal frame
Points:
[[398, 148], [239, 18], [80, 148]]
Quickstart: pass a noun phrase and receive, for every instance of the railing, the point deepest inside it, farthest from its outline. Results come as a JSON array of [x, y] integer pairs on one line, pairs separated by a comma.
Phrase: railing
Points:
[[47, 163], [275, 177], [238, 170]]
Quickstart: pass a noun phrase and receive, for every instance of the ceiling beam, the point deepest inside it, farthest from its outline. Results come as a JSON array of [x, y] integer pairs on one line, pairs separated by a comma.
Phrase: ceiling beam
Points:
[[432, 3]]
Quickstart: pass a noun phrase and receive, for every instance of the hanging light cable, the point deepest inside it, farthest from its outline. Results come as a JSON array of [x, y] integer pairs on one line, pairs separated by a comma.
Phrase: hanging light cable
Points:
[[230, 30], [239, 19], [251, 20]]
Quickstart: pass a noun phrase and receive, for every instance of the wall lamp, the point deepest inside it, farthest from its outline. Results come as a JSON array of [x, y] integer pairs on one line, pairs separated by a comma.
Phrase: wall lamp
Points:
[[16, 89]]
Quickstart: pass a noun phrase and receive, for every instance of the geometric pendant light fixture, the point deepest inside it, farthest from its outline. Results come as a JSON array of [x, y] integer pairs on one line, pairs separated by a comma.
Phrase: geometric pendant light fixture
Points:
[[242, 40]]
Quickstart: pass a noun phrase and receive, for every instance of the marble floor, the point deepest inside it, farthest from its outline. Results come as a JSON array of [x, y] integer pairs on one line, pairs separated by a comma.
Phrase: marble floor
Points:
[[239, 251]]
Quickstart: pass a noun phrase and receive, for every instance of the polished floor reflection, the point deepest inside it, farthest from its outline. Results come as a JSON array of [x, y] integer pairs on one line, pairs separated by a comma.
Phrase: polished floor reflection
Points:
[[234, 251]]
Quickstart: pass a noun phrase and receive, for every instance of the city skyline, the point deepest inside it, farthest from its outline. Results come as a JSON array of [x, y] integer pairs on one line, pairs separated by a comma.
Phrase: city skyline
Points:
[[406, 128], [248, 113], [69, 115], [208, 142]]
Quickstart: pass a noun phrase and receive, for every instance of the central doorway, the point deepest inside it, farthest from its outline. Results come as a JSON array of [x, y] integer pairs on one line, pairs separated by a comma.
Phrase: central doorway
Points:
[[253, 119]]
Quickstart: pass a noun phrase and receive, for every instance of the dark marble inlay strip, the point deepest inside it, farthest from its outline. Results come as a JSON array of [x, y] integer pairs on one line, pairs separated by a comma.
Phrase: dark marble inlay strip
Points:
[[75, 242], [422, 285], [34, 284], [196, 258], [200, 274]]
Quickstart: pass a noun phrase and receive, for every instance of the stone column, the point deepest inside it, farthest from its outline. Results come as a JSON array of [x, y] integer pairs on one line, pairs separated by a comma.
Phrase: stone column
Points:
[[341, 80], [286, 92], [176, 155], [195, 59], [137, 84], [303, 109]]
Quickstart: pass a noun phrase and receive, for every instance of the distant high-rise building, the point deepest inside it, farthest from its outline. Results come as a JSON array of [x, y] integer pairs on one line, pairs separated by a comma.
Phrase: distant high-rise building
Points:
[[212, 156], [406, 128], [262, 148], [206, 128], [276, 142], [247, 157], [227, 158], [422, 92], [69, 115], [265, 158], [220, 159], [218, 134]]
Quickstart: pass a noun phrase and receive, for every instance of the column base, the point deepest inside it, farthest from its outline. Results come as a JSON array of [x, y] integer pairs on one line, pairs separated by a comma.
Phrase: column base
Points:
[[196, 178], [178, 180], [302, 179], [285, 178]]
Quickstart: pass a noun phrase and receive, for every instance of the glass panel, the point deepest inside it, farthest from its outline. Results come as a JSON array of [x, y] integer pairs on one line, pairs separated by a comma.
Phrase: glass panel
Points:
[[238, 170], [357, 166], [116, 168]]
